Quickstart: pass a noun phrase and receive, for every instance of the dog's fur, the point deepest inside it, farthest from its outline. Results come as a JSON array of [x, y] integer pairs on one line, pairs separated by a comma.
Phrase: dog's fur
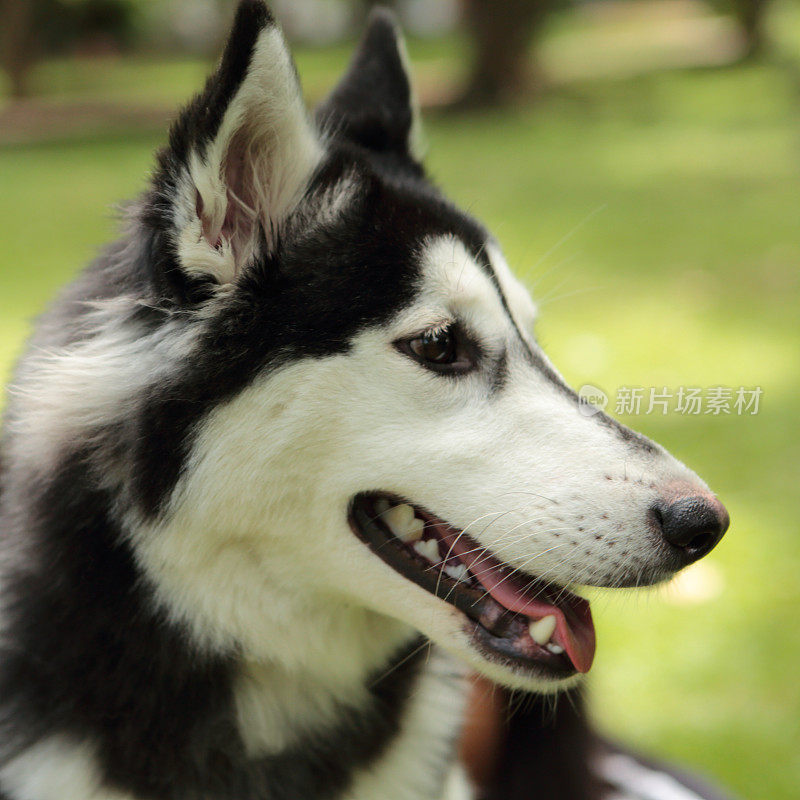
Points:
[[186, 612]]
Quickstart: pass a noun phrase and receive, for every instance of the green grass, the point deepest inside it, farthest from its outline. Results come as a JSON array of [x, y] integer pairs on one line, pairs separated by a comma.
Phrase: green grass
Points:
[[657, 219], [151, 79]]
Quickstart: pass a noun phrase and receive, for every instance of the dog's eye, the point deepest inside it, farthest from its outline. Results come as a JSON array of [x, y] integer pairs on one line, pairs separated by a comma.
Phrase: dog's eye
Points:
[[436, 347], [441, 349]]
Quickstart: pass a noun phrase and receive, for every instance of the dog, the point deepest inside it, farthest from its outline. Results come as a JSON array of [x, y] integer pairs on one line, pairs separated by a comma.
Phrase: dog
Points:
[[286, 462]]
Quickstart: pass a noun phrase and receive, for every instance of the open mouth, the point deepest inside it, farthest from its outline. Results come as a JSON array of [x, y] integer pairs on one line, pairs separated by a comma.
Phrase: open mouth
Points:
[[514, 618]]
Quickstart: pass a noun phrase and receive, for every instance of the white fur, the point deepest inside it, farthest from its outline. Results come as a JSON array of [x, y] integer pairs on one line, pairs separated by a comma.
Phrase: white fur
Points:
[[520, 303], [417, 145], [68, 392], [277, 705], [637, 782], [57, 768], [412, 768], [457, 785], [327, 209], [268, 122]]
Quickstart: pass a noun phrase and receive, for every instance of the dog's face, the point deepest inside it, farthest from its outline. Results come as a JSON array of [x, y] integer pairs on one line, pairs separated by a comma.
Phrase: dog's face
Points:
[[381, 437]]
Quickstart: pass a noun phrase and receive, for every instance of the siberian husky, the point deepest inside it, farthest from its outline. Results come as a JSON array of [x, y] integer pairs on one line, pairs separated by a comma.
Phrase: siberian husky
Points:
[[287, 461]]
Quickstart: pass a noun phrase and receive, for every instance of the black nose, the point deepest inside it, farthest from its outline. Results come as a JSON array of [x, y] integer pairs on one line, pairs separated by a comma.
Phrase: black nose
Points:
[[693, 525]]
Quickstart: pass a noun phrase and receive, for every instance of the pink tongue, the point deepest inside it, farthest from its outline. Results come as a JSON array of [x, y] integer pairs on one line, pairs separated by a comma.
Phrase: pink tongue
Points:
[[576, 636]]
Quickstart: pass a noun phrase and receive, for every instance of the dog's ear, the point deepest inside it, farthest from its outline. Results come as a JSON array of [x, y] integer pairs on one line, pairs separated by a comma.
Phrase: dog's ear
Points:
[[374, 105], [239, 156]]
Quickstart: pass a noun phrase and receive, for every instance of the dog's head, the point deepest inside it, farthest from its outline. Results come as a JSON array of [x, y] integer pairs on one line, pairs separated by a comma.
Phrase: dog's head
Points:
[[360, 420]]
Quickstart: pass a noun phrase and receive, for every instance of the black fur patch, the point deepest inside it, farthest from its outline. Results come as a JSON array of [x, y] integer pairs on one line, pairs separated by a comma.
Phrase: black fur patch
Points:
[[90, 656], [500, 373], [199, 122], [92, 659]]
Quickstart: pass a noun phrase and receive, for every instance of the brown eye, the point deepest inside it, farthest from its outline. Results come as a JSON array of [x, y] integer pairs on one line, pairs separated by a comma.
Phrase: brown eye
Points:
[[435, 347], [448, 349]]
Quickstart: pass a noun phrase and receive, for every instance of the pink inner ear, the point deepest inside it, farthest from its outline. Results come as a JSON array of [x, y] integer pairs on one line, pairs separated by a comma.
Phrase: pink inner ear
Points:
[[233, 218], [239, 225], [214, 240], [241, 214]]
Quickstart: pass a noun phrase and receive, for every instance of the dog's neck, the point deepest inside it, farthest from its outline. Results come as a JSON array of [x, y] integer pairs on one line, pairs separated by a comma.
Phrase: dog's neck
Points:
[[319, 669], [340, 690], [390, 734], [320, 683]]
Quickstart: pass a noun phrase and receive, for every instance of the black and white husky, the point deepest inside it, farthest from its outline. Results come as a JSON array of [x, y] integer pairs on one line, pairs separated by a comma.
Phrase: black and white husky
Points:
[[289, 430]]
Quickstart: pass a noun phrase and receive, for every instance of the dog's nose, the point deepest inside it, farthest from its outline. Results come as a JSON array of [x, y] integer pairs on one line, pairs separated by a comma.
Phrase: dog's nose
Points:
[[692, 524]]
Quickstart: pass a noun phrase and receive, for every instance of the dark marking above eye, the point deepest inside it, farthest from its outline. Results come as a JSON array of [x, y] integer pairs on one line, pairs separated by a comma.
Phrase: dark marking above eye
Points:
[[500, 372]]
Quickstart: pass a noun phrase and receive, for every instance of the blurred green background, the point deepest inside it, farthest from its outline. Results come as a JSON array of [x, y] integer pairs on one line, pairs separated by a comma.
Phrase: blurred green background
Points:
[[646, 185]]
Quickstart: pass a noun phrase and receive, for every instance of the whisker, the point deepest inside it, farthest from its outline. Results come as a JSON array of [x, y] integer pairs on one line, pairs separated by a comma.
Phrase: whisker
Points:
[[427, 643], [564, 239]]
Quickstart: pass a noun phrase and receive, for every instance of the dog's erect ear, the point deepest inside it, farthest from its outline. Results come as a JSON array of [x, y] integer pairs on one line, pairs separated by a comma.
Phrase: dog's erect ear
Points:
[[374, 104], [240, 155]]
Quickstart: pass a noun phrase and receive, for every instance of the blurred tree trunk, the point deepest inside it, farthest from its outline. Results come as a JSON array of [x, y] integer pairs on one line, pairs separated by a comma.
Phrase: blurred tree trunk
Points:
[[502, 32], [17, 49], [751, 15], [363, 7]]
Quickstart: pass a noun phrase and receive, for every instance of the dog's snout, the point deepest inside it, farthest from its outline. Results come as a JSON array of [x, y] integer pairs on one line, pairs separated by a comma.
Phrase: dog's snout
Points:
[[692, 524]]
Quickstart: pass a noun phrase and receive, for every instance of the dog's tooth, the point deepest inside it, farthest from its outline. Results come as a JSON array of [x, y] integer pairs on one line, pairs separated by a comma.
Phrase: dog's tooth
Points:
[[413, 531], [398, 518], [555, 649], [429, 549], [457, 571], [542, 629], [382, 505]]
